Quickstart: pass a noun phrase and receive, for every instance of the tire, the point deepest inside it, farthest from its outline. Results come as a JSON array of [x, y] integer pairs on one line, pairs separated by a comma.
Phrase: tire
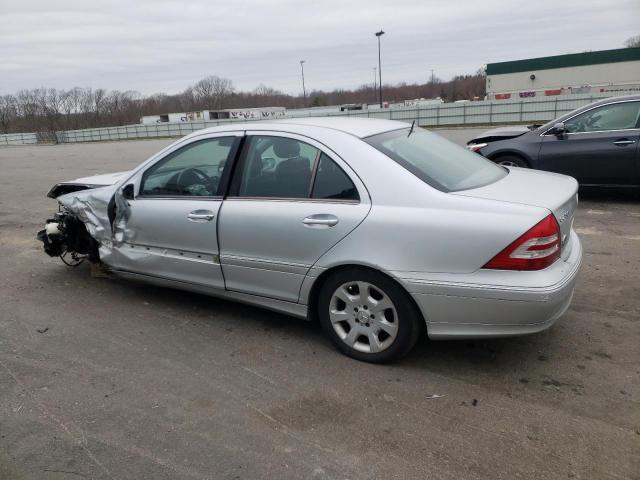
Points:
[[511, 161], [361, 327]]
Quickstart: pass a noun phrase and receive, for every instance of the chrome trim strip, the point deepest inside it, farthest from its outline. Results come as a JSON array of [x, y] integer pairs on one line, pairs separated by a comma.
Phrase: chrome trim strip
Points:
[[262, 264], [302, 200], [201, 257], [179, 197]]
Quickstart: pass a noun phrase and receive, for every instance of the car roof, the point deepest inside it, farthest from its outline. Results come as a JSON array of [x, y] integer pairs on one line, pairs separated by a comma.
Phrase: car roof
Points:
[[603, 101], [358, 127]]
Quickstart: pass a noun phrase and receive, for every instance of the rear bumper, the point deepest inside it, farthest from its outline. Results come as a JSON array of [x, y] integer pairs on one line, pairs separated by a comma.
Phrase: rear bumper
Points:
[[493, 303]]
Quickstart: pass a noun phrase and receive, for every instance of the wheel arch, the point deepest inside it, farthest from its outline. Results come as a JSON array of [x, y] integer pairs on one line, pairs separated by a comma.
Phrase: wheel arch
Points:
[[314, 290], [495, 156]]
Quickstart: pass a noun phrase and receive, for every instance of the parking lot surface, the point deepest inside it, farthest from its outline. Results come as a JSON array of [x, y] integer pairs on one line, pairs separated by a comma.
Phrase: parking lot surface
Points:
[[116, 380]]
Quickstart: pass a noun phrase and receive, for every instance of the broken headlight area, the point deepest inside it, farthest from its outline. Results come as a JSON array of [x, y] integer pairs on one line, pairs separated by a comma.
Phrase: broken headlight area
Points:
[[66, 237]]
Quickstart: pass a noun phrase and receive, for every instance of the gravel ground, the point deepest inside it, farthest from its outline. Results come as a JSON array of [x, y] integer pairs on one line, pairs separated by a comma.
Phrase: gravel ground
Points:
[[110, 379]]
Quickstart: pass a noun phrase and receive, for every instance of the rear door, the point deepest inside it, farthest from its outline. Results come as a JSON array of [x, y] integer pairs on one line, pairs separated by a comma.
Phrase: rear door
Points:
[[291, 200], [171, 228], [599, 146]]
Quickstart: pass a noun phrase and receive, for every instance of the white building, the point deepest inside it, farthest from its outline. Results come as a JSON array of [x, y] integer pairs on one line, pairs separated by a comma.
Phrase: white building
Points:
[[204, 115], [601, 71]]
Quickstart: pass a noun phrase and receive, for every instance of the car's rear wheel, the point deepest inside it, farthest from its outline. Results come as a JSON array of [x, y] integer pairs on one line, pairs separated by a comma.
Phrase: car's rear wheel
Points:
[[511, 161], [367, 315]]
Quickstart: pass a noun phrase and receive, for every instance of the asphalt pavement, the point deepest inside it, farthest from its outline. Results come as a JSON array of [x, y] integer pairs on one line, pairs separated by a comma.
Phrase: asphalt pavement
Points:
[[111, 379]]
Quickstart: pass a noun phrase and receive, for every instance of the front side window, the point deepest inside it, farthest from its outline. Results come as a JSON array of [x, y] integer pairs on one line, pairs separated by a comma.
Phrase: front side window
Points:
[[617, 116], [192, 171], [437, 161]]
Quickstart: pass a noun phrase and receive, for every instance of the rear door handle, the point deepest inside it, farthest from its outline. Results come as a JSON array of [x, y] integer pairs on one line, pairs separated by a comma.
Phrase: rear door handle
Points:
[[624, 141], [321, 220], [201, 215]]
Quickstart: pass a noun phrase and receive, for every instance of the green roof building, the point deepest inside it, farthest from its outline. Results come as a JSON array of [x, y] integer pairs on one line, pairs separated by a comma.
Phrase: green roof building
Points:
[[602, 71]]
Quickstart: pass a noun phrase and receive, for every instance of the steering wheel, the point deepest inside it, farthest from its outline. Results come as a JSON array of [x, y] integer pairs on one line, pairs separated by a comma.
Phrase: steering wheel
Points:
[[192, 176]]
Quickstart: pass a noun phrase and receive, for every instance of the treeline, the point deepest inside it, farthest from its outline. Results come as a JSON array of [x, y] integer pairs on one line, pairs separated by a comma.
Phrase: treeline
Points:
[[50, 109]]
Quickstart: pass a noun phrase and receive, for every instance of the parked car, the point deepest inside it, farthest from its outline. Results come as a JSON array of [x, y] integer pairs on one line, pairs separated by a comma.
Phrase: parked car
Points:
[[597, 144], [380, 231]]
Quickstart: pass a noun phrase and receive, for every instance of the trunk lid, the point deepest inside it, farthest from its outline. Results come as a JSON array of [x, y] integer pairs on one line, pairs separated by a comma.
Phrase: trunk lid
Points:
[[555, 192]]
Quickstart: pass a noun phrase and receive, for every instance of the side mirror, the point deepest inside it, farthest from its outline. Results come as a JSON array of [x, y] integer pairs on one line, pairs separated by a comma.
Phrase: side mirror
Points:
[[127, 191], [558, 129]]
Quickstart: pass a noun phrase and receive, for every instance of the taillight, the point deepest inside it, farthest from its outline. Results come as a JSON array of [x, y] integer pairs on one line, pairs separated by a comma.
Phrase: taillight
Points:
[[538, 248]]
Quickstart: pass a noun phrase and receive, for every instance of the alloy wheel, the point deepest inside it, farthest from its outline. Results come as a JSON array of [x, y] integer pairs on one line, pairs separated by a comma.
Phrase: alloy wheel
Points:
[[508, 163], [363, 316]]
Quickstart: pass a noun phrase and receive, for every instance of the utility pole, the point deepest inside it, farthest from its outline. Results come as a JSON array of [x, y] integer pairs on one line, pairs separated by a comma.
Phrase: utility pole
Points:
[[379, 34], [375, 81], [432, 77], [304, 91]]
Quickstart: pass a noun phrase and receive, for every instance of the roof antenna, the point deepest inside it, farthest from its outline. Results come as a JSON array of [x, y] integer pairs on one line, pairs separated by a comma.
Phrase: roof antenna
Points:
[[413, 124]]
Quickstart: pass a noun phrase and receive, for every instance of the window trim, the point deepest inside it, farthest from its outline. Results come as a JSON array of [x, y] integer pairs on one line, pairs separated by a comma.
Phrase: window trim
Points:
[[543, 134], [224, 177], [234, 185]]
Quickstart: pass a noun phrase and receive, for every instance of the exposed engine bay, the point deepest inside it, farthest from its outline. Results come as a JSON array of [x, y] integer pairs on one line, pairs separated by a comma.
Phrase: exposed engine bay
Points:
[[86, 226], [66, 237]]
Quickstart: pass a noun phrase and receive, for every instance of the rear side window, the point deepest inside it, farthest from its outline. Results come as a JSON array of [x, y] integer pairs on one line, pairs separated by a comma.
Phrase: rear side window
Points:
[[332, 183], [287, 168], [437, 161], [278, 167]]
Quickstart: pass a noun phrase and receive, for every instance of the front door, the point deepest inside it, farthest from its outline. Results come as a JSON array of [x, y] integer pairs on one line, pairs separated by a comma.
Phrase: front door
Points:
[[599, 146], [288, 204], [171, 229]]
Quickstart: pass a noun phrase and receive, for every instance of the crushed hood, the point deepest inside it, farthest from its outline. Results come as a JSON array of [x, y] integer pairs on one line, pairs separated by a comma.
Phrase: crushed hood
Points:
[[102, 180], [501, 133], [85, 183]]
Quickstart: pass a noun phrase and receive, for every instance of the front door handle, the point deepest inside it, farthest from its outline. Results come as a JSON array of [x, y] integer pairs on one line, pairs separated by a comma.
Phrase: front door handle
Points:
[[624, 141], [321, 220], [201, 216]]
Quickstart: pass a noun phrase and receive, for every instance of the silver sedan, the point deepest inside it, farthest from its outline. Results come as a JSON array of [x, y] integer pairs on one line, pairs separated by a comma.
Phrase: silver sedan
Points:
[[380, 231]]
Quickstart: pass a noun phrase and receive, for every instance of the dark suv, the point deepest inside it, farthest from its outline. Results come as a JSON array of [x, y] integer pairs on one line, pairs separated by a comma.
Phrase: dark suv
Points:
[[597, 144]]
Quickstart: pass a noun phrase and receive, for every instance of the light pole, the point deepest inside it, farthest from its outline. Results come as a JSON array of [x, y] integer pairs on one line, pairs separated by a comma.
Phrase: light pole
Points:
[[375, 82], [379, 34], [304, 91]]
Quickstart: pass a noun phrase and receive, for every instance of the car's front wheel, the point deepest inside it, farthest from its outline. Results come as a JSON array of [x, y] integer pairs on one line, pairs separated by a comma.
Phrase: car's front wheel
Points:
[[511, 161], [367, 315]]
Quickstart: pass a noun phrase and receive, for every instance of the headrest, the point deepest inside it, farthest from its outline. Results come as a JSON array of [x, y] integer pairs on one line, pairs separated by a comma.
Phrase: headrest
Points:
[[285, 147], [293, 166]]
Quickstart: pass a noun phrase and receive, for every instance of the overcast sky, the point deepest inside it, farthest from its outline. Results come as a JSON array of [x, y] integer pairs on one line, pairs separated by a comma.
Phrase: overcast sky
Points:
[[163, 46]]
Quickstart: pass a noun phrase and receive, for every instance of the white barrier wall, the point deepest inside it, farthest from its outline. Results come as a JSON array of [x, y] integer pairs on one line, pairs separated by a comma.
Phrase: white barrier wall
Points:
[[445, 114]]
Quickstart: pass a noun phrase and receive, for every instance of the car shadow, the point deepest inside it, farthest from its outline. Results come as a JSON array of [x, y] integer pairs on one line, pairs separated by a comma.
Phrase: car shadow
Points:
[[610, 195], [466, 357]]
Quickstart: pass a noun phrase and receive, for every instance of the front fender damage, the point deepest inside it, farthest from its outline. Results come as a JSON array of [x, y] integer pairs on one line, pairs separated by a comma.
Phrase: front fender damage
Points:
[[103, 211]]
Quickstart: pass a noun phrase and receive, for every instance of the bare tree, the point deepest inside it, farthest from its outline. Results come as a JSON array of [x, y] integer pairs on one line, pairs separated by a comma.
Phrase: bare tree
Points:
[[8, 112], [211, 92], [50, 109], [632, 42]]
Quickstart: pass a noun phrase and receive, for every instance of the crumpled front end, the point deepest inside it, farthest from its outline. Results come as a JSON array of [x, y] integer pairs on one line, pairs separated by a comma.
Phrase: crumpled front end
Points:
[[89, 225]]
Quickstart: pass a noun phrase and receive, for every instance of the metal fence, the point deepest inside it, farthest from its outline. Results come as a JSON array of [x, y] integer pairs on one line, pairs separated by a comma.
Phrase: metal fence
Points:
[[19, 139], [486, 112]]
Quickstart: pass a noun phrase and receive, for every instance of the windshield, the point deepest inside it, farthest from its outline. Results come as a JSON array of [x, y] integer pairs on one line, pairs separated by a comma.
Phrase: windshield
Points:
[[437, 161]]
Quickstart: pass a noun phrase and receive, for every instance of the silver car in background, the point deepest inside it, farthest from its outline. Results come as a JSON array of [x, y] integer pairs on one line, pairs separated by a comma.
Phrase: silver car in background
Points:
[[380, 231]]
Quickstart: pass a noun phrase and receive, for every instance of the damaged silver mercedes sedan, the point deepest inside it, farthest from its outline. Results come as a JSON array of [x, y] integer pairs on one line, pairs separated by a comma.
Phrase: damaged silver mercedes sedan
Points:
[[381, 231]]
